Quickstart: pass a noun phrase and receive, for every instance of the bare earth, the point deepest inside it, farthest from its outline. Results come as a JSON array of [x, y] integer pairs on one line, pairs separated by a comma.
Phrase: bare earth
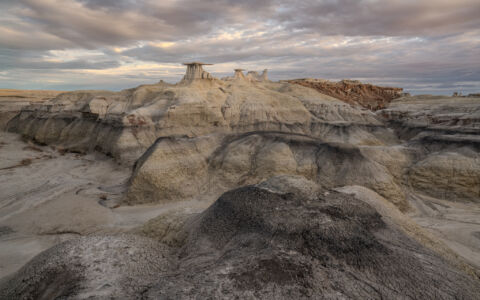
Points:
[[57, 197], [456, 224]]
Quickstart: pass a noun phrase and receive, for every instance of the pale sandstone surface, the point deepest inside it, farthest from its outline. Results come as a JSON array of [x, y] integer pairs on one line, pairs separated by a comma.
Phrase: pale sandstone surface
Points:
[[436, 118], [446, 133], [448, 175], [442, 178], [211, 166], [455, 223], [124, 124]]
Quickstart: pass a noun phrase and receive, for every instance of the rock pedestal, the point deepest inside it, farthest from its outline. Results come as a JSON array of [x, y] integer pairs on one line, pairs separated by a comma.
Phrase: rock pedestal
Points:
[[195, 71], [264, 76], [239, 74]]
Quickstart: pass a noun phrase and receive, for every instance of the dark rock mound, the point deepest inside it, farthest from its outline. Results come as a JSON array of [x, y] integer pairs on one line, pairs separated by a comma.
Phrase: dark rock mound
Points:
[[253, 242], [98, 267]]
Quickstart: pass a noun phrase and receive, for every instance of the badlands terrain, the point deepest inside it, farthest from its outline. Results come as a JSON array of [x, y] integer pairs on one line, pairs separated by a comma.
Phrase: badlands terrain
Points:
[[239, 188]]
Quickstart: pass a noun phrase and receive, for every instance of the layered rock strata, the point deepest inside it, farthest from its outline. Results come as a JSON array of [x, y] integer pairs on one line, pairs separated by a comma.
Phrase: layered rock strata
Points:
[[446, 132], [125, 124], [354, 92], [12, 102]]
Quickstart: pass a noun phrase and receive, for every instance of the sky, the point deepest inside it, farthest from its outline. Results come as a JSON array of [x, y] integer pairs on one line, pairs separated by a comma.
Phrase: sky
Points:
[[423, 46]]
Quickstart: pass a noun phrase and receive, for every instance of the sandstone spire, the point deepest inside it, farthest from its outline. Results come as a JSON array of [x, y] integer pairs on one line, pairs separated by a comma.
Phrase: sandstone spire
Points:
[[239, 74], [254, 76], [264, 76]]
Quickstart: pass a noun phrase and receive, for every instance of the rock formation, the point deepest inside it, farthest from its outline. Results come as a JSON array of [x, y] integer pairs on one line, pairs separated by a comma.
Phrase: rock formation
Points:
[[448, 132], [195, 71], [181, 168], [268, 241], [12, 102], [239, 74], [307, 196], [254, 76], [125, 124], [354, 92]]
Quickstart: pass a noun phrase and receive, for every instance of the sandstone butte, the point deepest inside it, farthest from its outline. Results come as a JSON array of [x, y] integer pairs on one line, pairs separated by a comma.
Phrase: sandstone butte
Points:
[[242, 188]]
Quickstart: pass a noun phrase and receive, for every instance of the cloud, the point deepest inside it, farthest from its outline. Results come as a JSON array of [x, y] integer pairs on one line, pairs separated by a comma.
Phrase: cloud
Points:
[[421, 45], [388, 18], [91, 24]]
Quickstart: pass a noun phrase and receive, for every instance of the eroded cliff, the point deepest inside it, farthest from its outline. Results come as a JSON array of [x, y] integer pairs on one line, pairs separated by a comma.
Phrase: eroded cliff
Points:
[[354, 92]]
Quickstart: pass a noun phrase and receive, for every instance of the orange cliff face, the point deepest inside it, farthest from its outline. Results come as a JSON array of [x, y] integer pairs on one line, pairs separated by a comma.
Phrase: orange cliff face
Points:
[[354, 92]]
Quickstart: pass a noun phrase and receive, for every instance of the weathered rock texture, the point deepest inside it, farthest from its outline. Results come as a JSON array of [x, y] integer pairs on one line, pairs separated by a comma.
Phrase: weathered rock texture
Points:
[[269, 242], [12, 102], [176, 168], [96, 266], [454, 120], [446, 133], [354, 92], [124, 124], [195, 71], [254, 76]]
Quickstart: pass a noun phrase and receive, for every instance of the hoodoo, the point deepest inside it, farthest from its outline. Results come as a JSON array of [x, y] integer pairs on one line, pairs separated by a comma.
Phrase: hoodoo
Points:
[[195, 71], [239, 74], [254, 76]]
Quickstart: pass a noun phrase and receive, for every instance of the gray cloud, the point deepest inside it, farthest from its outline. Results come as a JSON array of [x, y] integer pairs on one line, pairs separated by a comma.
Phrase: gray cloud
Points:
[[89, 24], [420, 45], [389, 18]]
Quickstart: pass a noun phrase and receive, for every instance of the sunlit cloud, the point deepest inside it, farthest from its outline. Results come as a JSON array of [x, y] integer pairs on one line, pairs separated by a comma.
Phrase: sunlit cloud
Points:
[[423, 46]]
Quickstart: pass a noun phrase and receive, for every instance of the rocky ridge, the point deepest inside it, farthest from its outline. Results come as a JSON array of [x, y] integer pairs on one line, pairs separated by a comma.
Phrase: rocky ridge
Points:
[[447, 130], [124, 124], [12, 102], [354, 92]]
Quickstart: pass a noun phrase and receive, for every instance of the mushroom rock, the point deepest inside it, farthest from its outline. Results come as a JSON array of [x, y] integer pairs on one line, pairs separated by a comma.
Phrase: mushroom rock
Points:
[[239, 74], [195, 71]]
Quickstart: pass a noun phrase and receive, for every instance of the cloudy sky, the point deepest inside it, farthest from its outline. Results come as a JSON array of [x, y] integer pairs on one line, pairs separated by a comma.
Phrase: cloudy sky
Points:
[[424, 46]]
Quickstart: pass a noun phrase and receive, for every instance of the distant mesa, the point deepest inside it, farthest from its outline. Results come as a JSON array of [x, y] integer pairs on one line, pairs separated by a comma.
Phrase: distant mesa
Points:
[[459, 94]]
